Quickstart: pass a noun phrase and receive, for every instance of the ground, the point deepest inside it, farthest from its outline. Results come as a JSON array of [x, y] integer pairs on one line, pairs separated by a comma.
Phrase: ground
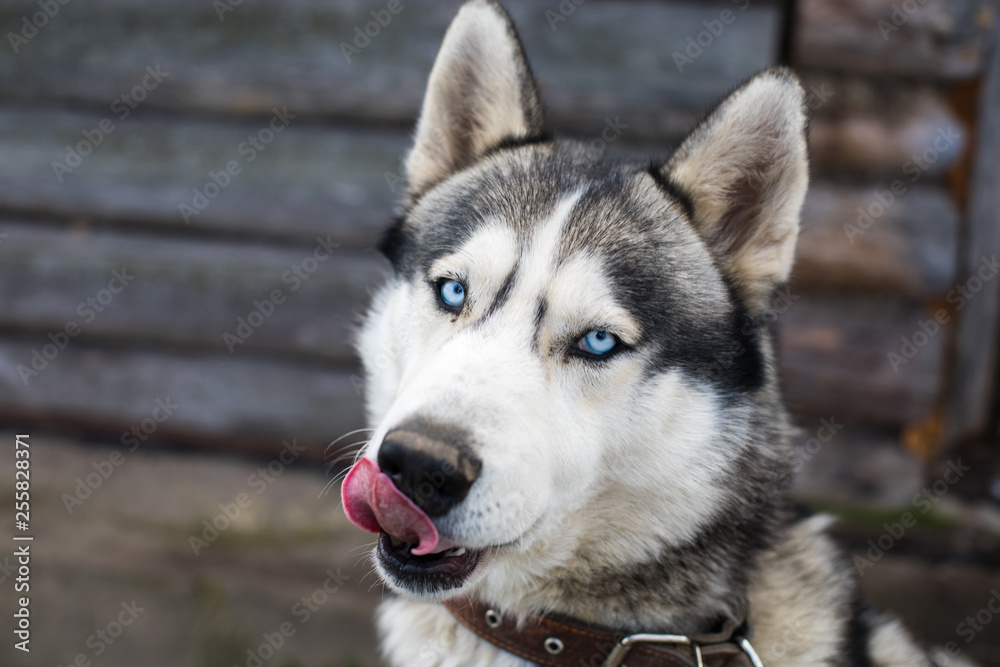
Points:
[[128, 543], [119, 576]]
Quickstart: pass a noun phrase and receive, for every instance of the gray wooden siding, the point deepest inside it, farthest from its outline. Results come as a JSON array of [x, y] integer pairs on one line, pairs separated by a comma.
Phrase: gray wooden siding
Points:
[[328, 178]]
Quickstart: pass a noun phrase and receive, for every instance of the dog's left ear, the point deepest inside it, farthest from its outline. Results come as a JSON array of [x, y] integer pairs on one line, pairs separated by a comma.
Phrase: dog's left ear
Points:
[[745, 169], [481, 92]]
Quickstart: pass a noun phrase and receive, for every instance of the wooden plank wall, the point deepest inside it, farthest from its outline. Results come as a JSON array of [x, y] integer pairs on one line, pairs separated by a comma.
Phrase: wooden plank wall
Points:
[[975, 399], [326, 183], [890, 74]]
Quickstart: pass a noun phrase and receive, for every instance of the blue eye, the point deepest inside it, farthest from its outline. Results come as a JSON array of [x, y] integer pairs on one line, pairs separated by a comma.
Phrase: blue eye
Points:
[[452, 293], [597, 342]]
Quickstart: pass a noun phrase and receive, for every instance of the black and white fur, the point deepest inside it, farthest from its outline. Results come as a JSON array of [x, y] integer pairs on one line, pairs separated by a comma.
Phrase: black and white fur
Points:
[[646, 490]]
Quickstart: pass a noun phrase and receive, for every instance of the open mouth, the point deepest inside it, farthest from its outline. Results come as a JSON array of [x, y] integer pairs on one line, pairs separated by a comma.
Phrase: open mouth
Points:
[[446, 569]]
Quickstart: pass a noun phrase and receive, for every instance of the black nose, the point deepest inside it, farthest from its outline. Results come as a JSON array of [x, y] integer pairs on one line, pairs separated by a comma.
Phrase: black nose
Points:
[[431, 466]]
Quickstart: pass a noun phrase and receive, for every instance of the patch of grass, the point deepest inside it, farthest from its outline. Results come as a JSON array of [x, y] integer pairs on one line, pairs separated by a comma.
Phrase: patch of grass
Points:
[[218, 639], [349, 661], [874, 516]]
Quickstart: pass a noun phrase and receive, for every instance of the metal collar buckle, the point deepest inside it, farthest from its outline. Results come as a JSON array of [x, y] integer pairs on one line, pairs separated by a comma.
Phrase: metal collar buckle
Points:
[[617, 656], [744, 644], [621, 649]]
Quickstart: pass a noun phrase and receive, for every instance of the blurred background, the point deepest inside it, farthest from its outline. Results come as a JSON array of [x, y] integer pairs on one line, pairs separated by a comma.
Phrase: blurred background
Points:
[[189, 196]]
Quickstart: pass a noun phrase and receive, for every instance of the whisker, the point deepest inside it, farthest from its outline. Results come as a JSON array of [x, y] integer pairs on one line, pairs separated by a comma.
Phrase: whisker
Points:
[[330, 484], [336, 478], [347, 435], [333, 464], [345, 449], [374, 583], [367, 548], [352, 456], [358, 456]]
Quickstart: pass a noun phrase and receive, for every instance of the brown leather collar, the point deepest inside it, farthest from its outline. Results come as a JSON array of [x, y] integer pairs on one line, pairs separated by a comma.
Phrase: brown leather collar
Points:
[[562, 642]]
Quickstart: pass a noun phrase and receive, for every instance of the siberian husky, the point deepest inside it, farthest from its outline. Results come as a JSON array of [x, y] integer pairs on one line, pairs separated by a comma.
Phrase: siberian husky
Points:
[[554, 436]]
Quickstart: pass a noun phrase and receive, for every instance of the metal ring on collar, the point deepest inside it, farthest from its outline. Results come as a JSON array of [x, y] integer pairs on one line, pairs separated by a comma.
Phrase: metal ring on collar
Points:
[[744, 644], [617, 656], [554, 645]]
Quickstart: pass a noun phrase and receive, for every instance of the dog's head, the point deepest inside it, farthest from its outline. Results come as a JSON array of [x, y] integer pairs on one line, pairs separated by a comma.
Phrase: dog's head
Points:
[[566, 365]]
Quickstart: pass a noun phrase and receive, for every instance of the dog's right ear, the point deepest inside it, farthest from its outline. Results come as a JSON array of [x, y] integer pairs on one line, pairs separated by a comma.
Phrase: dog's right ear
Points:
[[480, 94], [745, 169]]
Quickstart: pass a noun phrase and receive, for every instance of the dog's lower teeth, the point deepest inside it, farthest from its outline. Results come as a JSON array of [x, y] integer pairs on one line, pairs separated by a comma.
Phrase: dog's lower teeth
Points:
[[457, 551]]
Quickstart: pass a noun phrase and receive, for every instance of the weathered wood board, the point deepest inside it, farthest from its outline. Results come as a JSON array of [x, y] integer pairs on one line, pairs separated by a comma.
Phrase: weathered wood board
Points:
[[270, 53], [222, 297], [313, 179], [834, 359], [974, 396], [331, 177], [308, 181], [869, 240], [242, 404], [341, 184], [191, 291], [865, 129], [940, 39]]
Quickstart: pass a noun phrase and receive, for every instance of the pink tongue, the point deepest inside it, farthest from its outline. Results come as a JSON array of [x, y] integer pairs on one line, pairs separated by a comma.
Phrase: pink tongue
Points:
[[372, 502]]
